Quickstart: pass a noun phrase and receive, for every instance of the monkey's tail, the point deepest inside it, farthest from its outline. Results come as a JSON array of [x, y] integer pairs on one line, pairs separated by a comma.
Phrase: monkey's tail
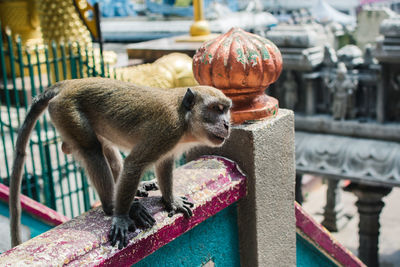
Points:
[[39, 104]]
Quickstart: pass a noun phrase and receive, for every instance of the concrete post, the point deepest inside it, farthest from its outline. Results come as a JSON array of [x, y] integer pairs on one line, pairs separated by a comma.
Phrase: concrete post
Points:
[[264, 150]]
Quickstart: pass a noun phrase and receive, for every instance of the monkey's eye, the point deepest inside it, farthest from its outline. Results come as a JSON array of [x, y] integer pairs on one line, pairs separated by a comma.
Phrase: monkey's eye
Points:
[[218, 108]]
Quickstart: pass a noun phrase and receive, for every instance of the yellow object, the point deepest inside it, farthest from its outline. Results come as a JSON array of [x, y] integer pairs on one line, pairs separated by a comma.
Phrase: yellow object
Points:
[[200, 25], [21, 17], [200, 28], [88, 15], [173, 70], [60, 22]]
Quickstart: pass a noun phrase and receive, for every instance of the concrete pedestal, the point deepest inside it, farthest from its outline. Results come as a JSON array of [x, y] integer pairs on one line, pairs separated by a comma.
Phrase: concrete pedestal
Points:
[[264, 150]]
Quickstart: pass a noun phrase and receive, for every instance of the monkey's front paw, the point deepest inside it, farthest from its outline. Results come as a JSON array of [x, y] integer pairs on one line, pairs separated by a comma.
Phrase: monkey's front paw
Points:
[[120, 226], [179, 205], [146, 186], [141, 215]]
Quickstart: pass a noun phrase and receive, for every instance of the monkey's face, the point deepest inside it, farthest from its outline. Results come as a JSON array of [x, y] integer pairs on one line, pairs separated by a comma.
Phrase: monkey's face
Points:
[[210, 122], [216, 123]]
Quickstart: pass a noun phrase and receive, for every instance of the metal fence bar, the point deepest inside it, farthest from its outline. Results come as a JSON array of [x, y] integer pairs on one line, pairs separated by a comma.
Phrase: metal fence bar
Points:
[[13, 77], [72, 58], [80, 61], [88, 73], [3, 135], [55, 61], [6, 91]]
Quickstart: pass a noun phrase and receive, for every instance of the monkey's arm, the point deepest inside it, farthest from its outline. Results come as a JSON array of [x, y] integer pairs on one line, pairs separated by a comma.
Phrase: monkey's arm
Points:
[[135, 163], [126, 187], [172, 204]]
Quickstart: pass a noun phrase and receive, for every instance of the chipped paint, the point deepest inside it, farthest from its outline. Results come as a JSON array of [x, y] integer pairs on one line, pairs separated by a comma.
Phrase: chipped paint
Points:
[[212, 183]]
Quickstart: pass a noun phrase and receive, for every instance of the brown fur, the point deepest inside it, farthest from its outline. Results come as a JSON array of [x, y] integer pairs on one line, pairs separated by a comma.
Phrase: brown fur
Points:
[[96, 115]]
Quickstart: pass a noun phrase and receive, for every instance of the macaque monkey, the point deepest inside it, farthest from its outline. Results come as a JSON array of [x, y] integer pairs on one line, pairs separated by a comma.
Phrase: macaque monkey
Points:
[[96, 116]]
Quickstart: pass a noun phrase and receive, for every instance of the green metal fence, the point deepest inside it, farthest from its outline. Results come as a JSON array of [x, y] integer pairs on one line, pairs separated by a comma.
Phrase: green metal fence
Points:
[[50, 176]]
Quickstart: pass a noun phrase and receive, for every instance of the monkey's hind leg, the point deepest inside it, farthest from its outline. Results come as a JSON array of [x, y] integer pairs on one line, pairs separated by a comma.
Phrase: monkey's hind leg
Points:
[[114, 159], [81, 140], [100, 174]]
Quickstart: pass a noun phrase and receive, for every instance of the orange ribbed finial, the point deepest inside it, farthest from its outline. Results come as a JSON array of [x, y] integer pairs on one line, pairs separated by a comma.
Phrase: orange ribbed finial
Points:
[[242, 65]]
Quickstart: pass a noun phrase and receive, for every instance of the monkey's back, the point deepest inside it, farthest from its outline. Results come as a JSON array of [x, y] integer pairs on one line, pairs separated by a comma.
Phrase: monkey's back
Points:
[[123, 108]]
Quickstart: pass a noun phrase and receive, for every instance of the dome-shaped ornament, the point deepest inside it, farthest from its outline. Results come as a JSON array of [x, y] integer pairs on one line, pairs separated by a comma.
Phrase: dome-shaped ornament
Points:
[[242, 65]]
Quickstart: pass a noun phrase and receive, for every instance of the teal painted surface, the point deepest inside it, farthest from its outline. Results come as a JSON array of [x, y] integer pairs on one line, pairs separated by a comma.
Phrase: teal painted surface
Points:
[[308, 255], [36, 226], [215, 239]]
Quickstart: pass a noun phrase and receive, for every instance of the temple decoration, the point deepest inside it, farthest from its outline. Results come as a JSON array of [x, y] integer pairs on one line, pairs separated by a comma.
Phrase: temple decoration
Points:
[[89, 16], [21, 17], [200, 29], [172, 70], [242, 65], [60, 22], [200, 25]]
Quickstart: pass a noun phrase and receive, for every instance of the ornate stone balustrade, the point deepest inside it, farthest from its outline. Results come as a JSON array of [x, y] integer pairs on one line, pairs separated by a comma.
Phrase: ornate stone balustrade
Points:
[[360, 160]]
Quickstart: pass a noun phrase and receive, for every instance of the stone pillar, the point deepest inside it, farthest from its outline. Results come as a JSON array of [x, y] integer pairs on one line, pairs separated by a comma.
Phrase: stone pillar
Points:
[[310, 103], [264, 150], [369, 207], [380, 96], [334, 217]]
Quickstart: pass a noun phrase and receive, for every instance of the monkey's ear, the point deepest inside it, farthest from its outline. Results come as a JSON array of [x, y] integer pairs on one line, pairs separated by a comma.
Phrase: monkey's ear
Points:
[[188, 99]]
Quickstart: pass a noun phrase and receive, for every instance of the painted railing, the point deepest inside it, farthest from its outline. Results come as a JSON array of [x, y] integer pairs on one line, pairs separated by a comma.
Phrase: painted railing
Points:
[[213, 184]]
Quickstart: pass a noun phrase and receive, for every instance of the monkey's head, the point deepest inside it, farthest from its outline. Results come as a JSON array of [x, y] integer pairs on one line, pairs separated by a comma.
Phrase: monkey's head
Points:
[[207, 114]]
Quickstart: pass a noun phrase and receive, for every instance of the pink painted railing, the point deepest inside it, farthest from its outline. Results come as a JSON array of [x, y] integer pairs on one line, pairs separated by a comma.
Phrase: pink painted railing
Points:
[[211, 183], [321, 237], [34, 208]]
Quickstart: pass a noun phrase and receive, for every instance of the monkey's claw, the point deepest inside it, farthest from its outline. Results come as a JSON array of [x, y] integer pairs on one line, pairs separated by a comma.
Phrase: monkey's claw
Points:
[[179, 205], [141, 215], [120, 226], [146, 186]]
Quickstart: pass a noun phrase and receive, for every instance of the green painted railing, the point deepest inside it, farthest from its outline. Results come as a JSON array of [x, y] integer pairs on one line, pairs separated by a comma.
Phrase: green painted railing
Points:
[[50, 177]]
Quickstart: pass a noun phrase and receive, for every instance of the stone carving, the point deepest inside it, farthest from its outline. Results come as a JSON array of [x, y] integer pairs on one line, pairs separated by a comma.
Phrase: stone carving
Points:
[[387, 48], [369, 57], [351, 55], [301, 45], [351, 158], [330, 58], [290, 90], [342, 87]]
